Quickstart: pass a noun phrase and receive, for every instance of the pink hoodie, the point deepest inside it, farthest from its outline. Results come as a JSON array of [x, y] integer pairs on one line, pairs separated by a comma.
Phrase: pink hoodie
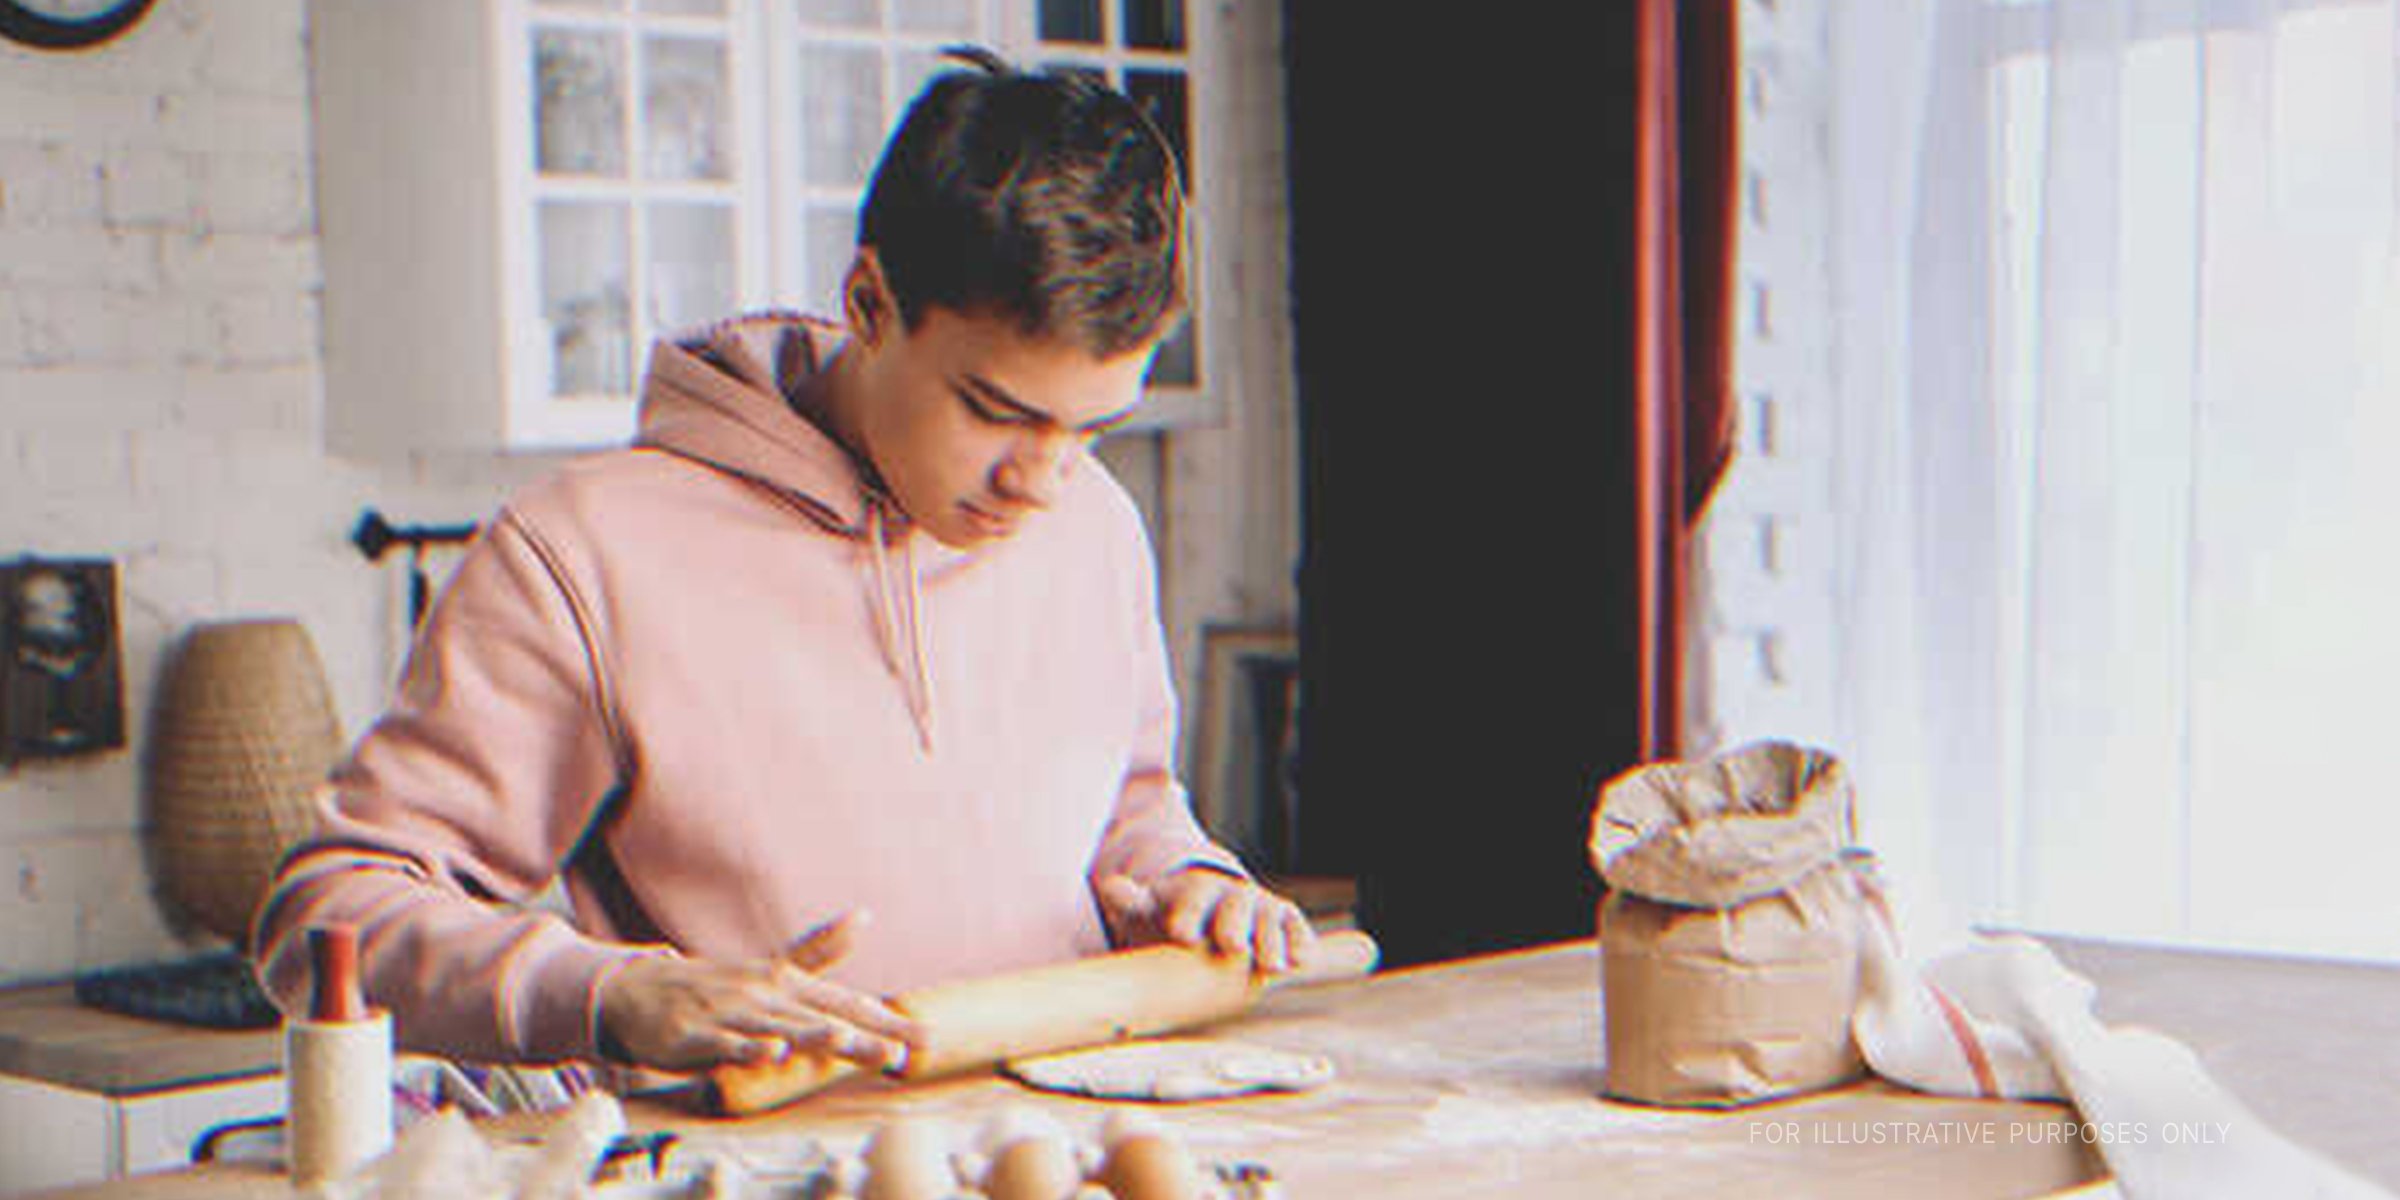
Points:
[[685, 675]]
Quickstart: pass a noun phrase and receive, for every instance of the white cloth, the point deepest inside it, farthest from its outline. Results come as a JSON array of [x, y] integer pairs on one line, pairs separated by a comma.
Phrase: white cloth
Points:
[[444, 1156], [2028, 1020]]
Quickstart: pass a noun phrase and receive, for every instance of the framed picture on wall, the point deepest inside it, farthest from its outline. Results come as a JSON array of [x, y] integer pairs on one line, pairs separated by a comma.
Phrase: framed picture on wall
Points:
[[61, 684], [1242, 787]]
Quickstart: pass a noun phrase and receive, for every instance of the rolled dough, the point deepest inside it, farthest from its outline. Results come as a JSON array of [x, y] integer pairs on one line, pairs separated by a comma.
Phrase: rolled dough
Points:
[[1172, 1070]]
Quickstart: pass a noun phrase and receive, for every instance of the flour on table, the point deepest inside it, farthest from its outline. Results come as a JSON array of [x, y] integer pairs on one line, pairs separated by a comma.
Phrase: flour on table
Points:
[[1468, 1119], [1173, 1070]]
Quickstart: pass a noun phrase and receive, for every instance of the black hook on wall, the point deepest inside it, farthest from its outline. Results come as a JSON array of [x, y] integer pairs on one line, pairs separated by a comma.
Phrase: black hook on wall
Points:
[[374, 536]]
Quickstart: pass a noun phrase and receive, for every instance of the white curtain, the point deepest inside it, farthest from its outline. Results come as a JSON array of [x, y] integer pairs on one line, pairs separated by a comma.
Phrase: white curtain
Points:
[[2116, 358]]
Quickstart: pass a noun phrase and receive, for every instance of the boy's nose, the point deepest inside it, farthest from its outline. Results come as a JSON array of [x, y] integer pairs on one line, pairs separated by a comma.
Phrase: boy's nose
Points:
[[1035, 475]]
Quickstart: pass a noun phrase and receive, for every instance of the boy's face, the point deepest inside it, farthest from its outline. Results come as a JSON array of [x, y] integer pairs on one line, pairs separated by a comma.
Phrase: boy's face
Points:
[[973, 425]]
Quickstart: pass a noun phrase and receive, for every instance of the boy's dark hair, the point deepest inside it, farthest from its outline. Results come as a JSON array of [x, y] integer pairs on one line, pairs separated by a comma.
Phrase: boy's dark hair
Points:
[[1045, 197]]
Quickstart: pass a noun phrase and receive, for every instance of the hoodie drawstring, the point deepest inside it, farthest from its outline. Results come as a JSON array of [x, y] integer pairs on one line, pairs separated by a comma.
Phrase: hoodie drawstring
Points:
[[916, 682]]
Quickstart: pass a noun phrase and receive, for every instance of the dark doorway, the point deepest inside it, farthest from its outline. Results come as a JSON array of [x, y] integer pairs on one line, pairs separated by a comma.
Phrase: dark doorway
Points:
[[1461, 238]]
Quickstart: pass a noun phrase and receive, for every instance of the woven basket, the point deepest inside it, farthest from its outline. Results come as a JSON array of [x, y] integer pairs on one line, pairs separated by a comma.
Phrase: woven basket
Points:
[[244, 734]]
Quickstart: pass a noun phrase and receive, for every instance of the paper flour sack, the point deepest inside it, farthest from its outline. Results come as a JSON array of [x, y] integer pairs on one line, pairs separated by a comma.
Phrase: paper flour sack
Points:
[[1729, 937]]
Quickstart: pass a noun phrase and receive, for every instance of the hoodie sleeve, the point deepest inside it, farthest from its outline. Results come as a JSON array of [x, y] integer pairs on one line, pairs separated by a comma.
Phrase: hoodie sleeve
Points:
[[456, 808], [1152, 833]]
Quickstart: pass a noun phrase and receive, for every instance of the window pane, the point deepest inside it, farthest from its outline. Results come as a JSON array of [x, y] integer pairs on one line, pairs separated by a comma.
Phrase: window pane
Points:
[[1178, 361], [841, 101], [1154, 24], [599, 5], [946, 18], [686, 8], [584, 293], [1071, 21], [579, 102], [1161, 95], [685, 113], [839, 14], [1095, 75], [691, 264]]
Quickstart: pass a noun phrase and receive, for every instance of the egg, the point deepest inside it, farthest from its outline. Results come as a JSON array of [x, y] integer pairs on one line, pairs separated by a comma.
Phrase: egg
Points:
[[908, 1159], [1033, 1168], [1150, 1166]]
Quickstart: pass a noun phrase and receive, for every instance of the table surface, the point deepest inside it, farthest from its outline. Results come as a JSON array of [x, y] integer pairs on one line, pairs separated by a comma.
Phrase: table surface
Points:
[[1481, 1077], [46, 1034]]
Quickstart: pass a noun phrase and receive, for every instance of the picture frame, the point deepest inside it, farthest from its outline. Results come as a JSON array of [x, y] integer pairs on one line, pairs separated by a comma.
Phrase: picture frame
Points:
[[61, 674], [1241, 791]]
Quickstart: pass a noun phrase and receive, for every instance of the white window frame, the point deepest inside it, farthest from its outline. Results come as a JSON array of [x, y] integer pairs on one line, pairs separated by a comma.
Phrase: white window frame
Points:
[[537, 417]]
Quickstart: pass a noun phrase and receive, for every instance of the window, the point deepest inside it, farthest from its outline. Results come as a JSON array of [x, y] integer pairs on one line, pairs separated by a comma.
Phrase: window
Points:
[[1139, 46], [850, 69], [637, 180], [2088, 465]]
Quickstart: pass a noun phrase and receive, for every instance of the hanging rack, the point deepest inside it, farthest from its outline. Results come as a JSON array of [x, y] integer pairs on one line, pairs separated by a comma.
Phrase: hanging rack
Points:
[[374, 536]]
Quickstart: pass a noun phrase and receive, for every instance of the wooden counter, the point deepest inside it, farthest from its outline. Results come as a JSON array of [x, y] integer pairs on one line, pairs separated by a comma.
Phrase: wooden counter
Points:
[[1480, 1078], [46, 1035]]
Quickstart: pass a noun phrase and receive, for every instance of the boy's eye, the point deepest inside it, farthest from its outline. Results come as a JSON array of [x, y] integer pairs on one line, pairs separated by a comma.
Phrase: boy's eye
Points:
[[989, 414]]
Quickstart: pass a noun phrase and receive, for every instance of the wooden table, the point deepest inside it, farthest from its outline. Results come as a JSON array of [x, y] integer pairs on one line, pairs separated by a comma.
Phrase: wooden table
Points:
[[1479, 1078]]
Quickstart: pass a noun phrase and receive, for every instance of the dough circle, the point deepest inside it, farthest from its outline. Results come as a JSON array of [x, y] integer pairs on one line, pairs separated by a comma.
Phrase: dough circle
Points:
[[1172, 1070]]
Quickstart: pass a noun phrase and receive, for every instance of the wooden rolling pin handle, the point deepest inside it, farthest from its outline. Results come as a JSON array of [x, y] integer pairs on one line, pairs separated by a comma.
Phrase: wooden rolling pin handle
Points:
[[1088, 1002], [738, 1089], [1343, 954]]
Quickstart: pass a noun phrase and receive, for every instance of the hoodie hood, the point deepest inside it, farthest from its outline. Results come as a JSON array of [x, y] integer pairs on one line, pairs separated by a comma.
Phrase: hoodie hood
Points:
[[723, 397]]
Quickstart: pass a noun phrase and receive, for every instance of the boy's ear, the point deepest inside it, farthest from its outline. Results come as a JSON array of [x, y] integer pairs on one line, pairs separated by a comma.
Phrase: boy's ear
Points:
[[867, 302]]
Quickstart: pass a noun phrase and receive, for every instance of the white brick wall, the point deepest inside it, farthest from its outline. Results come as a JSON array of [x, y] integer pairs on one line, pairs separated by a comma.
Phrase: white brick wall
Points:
[[159, 405], [1764, 667]]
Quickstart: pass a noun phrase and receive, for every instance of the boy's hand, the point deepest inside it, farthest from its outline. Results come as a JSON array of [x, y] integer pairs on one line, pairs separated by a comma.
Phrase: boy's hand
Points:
[[687, 1014], [1208, 909]]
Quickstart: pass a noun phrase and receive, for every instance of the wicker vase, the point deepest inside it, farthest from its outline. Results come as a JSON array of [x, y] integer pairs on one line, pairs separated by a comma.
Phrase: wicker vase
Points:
[[244, 732]]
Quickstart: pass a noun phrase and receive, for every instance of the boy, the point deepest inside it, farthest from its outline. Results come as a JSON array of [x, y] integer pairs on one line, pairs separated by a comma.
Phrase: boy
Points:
[[855, 627]]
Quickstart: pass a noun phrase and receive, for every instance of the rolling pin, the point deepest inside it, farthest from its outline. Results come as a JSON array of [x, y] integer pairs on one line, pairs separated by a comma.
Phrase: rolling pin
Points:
[[1064, 1006]]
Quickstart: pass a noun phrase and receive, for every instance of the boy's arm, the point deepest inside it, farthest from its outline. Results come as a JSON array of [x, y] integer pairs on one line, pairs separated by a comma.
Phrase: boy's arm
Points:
[[1157, 873], [458, 805]]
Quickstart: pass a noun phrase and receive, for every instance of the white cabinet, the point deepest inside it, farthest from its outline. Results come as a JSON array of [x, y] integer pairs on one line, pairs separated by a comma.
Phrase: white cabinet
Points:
[[157, 1132], [53, 1136], [516, 196], [87, 1095]]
